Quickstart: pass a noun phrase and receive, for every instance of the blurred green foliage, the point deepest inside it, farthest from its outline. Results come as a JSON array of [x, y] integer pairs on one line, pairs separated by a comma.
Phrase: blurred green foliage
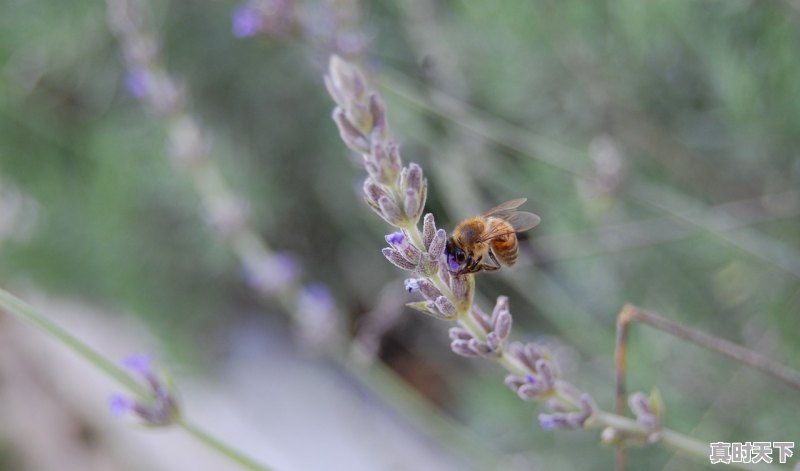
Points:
[[698, 97]]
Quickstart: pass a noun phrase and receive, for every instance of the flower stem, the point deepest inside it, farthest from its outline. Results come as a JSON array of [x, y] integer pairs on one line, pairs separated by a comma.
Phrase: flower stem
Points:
[[221, 447], [13, 305], [678, 442]]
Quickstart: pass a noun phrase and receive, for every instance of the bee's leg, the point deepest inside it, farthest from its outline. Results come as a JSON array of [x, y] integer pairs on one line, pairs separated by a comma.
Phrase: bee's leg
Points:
[[491, 264], [473, 266], [494, 259]]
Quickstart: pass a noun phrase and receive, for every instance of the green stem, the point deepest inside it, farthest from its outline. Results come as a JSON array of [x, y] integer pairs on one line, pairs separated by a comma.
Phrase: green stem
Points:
[[222, 447], [15, 306], [678, 442]]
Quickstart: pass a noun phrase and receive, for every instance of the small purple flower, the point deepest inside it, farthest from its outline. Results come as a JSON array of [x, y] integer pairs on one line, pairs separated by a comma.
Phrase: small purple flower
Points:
[[120, 404], [401, 244], [396, 238], [138, 83], [317, 318], [246, 21], [140, 363], [318, 296], [286, 264], [159, 408], [549, 422], [271, 273]]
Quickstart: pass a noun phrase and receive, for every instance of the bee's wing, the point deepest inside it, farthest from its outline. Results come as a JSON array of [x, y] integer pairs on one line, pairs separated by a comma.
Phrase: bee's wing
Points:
[[505, 209], [522, 221]]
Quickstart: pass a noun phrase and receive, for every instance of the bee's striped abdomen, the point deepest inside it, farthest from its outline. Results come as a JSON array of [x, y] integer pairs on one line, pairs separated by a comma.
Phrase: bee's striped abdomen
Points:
[[505, 247]]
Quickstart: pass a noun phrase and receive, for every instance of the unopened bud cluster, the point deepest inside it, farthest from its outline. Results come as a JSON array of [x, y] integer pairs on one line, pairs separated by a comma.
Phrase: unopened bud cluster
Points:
[[569, 420], [649, 413], [649, 410], [497, 329], [396, 193], [540, 383]]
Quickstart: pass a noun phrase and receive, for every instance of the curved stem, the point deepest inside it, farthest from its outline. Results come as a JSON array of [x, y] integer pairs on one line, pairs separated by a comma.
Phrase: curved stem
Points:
[[15, 306], [221, 447], [678, 442]]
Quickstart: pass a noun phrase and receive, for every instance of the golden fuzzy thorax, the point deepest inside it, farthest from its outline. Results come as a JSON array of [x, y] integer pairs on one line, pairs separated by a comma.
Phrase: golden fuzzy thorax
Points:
[[468, 233]]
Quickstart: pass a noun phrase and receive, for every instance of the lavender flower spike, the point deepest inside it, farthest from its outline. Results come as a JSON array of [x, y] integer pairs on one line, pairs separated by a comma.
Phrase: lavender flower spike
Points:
[[159, 408]]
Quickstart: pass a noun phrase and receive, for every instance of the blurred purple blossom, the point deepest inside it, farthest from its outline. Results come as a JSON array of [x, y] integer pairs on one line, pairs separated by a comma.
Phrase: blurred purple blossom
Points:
[[120, 404], [316, 297], [246, 21], [317, 317], [271, 273], [138, 83], [159, 407], [140, 363]]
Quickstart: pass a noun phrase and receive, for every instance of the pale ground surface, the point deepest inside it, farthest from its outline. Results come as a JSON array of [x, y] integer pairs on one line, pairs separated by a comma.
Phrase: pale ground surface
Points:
[[289, 412]]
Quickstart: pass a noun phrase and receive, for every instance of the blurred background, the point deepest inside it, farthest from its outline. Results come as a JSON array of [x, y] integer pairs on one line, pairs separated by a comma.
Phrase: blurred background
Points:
[[657, 140]]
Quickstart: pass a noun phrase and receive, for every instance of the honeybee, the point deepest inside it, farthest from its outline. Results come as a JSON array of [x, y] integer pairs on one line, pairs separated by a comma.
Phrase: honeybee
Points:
[[489, 240]]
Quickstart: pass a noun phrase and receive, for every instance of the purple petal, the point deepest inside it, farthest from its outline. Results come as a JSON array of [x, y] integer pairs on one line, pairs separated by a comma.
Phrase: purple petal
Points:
[[246, 21], [140, 363], [411, 284], [395, 238], [548, 422], [137, 82], [316, 297], [119, 404]]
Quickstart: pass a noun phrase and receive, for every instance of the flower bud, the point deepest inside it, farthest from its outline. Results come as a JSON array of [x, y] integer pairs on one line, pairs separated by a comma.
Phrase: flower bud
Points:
[[457, 333], [412, 204], [397, 260], [461, 347], [500, 306], [390, 212], [446, 307], [351, 136], [480, 347], [436, 247], [427, 307], [428, 230], [374, 192], [502, 325], [545, 370], [378, 111]]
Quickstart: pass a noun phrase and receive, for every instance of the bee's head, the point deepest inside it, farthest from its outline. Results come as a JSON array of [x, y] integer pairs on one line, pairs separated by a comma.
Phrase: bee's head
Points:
[[456, 257]]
